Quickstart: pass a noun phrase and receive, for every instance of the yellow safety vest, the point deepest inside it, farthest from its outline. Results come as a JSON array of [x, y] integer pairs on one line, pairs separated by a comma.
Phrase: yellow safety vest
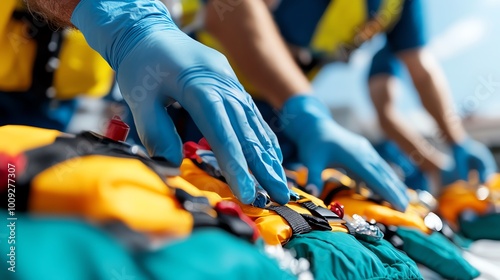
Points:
[[345, 25], [81, 70]]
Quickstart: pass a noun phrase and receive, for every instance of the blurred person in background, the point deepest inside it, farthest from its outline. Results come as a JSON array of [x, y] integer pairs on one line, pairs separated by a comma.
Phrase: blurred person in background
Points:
[[44, 70], [320, 32], [405, 44]]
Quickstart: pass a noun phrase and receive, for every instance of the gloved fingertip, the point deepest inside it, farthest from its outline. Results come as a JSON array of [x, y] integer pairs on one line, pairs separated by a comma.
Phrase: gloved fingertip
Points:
[[271, 176], [278, 191], [395, 192], [403, 197], [165, 161], [240, 181], [171, 157], [293, 195], [401, 205], [247, 197], [281, 198], [246, 191]]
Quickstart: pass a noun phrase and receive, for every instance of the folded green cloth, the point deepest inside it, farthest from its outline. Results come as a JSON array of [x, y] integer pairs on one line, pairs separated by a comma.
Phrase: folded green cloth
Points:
[[437, 253], [337, 255], [211, 254], [480, 227]]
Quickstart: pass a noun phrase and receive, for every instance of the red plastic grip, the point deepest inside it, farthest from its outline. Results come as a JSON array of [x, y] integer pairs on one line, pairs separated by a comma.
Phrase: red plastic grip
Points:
[[337, 208], [117, 129]]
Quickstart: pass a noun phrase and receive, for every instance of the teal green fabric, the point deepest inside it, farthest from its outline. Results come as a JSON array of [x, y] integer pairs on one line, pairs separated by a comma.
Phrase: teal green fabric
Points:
[[65, 249], [337, 255], [211, 254], [437, 253], [481, 227], [396, 262]]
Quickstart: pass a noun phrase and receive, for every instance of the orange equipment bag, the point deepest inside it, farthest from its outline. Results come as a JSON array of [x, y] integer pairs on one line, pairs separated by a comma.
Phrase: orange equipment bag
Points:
[[104, 181]]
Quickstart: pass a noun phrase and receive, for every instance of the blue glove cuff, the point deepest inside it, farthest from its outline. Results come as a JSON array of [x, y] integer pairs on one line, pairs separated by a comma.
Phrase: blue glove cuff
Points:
[[300, 113], [114, 27], [305, 104]]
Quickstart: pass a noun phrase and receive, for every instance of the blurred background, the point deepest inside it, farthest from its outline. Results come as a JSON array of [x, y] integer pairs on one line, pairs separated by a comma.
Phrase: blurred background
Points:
[[464, 36]]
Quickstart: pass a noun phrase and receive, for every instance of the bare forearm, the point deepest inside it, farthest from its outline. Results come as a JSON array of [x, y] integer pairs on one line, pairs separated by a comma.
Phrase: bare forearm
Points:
[[58, 12], [434, 93], [408, 139], [252, 41]]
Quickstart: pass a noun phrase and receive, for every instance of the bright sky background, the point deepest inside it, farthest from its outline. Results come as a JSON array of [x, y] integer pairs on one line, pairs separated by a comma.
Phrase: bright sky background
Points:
[[465, 38]]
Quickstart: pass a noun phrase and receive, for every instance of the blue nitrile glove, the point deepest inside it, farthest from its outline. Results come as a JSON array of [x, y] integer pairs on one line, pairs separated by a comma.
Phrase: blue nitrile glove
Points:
[[472, 155], [449, 174], [414, 178], [322, 143], [155, 63]]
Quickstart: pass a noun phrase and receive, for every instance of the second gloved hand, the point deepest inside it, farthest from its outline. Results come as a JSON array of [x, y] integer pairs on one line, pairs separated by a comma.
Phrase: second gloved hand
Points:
[[322, 143], [157, 63], [471, 155]]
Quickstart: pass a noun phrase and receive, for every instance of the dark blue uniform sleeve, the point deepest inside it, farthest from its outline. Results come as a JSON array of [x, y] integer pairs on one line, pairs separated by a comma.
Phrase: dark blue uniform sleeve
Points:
[[408, 33]]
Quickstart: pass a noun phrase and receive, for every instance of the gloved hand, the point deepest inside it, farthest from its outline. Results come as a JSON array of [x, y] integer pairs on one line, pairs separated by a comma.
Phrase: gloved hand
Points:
[[472, 155], [449, 174], [323, 143], [157, 63], [414, 178]]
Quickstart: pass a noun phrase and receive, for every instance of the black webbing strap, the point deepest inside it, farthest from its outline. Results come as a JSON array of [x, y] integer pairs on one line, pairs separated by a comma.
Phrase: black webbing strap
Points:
[[317, 223], [321, 212], [183, 197], [296, 221]]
